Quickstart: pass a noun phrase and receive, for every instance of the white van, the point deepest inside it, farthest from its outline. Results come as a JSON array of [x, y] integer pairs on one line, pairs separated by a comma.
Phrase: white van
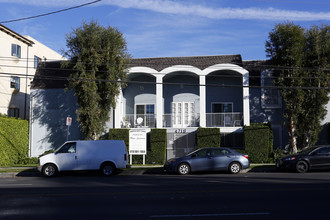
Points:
[[103, 155]]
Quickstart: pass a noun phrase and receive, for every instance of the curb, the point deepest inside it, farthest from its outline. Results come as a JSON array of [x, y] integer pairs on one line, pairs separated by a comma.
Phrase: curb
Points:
[[134, 171]]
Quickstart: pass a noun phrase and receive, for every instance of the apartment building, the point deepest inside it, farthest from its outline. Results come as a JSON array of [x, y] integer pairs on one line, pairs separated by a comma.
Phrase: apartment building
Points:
[[19, 58]]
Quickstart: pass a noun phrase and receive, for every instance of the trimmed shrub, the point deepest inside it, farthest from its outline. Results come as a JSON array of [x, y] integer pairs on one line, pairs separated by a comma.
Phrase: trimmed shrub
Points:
[[208, 137], [14, 141], [259, 142], [158, 142]]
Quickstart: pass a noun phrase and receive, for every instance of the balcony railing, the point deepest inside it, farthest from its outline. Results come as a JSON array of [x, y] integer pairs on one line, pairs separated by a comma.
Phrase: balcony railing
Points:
[[180, 121], [232, 119], [139, 121]]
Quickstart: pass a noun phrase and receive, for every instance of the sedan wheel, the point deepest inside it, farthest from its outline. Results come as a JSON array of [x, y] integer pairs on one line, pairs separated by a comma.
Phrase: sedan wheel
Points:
[[183, 169], [302, 166], [234, 168]]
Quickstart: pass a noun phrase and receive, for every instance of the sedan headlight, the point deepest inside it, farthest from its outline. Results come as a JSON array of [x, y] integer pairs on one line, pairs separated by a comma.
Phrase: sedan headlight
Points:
[[290, 158]]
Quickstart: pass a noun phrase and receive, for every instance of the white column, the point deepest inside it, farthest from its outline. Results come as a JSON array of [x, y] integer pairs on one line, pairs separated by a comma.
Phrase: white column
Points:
[[118, 117], [159, 101], [202, 101], [246, 99]]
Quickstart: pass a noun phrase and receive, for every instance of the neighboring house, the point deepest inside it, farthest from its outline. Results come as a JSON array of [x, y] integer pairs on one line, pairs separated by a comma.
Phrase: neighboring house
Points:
[[19, 58], [179, 94]]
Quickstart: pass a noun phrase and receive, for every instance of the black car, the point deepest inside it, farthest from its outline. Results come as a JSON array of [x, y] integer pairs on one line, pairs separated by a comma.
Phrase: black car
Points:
[[317, 157]]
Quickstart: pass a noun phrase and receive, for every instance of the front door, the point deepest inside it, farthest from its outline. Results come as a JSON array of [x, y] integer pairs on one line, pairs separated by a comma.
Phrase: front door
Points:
[[66, 157], [145, 115], [183, 114]]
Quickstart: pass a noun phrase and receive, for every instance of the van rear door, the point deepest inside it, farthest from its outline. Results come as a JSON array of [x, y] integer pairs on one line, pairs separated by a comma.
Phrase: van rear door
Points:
[[66, 156]]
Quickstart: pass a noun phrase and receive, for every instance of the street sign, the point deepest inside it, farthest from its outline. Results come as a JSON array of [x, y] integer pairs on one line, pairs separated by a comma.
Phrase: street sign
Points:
[[68, 121]]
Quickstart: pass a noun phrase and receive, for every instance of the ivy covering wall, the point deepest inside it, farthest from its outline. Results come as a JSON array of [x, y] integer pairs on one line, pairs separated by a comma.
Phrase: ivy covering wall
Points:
[[208, 137], [14, 141]]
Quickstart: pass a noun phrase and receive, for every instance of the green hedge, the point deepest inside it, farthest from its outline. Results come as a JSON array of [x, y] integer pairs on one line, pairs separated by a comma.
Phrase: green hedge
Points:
[[14, 141], [156, 150], [208, 137], [158, 142], [259, 142]]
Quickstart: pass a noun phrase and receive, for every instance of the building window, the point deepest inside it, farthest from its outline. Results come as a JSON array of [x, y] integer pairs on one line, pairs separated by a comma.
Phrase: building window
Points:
[[270, 97], [183, 114], [13, 112], [14, 82], [145, 115], [36, 61], [16, 50]]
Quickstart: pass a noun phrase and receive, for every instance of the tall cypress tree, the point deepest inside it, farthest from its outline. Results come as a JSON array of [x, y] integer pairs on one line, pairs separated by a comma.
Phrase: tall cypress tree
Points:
[[316, 64], [99, 57], [297, 56]]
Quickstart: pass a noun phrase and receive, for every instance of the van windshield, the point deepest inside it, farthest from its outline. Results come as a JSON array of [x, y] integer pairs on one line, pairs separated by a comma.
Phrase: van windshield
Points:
[[67, 148]]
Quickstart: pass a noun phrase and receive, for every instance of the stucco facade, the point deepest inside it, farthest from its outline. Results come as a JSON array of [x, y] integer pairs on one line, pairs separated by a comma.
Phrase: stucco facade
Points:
[[19, 56], [179, 94]]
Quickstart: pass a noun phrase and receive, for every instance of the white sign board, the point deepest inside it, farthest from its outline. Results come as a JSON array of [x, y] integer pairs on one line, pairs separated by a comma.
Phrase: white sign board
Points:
[[138, 142]]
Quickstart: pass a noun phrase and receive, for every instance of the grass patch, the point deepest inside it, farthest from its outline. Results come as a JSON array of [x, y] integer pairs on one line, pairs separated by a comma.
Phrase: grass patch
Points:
[[17, 170]]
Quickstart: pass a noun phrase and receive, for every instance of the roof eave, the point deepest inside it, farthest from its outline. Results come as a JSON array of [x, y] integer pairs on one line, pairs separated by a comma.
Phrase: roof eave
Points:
[[16, 35]]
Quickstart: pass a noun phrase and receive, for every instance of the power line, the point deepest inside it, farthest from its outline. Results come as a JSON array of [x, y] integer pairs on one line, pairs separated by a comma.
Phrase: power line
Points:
[[185, 66], [177, 74], [176, 84], [50, 13], [57, 78]]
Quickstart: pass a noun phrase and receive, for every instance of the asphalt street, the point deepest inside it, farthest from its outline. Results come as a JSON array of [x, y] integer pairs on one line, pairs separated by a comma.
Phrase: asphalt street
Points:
[[198, 196]]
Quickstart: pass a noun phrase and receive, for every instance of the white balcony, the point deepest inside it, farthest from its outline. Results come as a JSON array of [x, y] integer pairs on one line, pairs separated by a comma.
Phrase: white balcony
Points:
[[232, 119], [139, 121], [180, 120]]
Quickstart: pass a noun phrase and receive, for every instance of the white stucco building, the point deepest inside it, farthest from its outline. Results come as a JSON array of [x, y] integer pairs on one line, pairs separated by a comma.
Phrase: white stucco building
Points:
[[19, 57]]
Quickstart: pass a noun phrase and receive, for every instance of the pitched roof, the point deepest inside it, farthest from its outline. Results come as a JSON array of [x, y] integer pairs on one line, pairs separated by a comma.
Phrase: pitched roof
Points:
[[200, 62], [16, 35], [50, 75]]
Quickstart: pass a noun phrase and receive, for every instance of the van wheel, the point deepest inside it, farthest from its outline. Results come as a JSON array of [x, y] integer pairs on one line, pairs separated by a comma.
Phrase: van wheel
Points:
[[49, 170], [108, 169]]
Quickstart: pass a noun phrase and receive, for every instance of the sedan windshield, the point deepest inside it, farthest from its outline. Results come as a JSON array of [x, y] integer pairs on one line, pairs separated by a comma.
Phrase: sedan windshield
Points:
[[307, 150]]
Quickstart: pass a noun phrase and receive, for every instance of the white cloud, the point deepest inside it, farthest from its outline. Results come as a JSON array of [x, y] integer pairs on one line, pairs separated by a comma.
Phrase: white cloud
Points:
[[186, 8], [171, 7]]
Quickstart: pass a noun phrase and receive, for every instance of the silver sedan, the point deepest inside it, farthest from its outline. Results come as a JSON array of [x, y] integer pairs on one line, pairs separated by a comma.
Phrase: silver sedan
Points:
[[209, 159]]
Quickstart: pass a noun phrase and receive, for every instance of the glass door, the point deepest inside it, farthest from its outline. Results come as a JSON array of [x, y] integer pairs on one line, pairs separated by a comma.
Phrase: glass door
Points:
[[183, 114], [222, 114]]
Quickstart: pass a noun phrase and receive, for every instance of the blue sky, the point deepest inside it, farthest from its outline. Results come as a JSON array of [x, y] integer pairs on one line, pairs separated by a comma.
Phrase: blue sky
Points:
[[162, 28]]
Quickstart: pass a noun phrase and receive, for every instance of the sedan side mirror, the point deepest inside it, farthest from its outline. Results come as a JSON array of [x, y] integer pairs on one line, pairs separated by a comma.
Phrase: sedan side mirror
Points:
[[193, 155]]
